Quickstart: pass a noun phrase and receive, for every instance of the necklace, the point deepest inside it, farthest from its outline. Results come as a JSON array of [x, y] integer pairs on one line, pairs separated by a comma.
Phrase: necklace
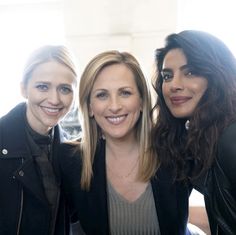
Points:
[[126, 175]]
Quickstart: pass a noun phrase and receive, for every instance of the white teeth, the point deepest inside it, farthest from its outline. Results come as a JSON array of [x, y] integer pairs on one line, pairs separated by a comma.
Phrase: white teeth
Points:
[[52, 110], [116, 120]]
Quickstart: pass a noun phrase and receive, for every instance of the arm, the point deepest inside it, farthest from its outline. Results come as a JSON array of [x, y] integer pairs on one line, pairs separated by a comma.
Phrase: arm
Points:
[[227, 155], [70, 170]]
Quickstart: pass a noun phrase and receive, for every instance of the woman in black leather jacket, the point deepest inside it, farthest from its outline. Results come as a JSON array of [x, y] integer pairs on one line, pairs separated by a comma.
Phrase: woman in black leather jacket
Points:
[[30, 199], [195, 130]]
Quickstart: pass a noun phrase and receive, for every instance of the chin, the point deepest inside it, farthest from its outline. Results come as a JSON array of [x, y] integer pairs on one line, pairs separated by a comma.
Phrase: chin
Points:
[[179, 115], [51, 124]]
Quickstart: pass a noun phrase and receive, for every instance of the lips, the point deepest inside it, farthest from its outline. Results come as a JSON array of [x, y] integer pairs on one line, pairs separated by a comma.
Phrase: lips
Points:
[[116, 120], [51, 111], [177, 100]]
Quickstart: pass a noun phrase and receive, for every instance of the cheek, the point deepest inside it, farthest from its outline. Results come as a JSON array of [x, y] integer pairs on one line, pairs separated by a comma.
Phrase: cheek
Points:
[[33, 97], [202, 93], [68, 100], [96, 109], [165, 93], [133, 105], [140, 107], [164, 90], [205, 86], [200, 89]]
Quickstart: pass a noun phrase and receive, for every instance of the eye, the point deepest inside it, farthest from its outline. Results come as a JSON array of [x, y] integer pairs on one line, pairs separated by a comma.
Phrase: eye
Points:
[[101, 95], [42, 87], [166, 76], [125, 93], [189, 73], [65, 89]]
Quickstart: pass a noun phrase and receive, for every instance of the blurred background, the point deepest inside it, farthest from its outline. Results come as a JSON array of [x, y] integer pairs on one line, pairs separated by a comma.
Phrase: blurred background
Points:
[[88, 27]]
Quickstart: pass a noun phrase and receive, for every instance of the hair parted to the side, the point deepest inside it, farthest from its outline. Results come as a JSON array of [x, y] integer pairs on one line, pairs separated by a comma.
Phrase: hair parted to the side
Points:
[[44, 54], [211, 59], [90, 130]]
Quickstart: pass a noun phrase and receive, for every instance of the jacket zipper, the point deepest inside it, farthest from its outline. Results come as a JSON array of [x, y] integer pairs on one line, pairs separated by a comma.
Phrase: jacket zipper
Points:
[[20, 216], [21, 208]]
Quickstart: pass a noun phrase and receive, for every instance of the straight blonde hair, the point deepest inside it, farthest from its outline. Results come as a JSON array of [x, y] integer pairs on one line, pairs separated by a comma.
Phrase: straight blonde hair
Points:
[[91, 132]]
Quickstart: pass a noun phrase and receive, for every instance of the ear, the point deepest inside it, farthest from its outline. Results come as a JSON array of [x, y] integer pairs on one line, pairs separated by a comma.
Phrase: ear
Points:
[[23, 90]]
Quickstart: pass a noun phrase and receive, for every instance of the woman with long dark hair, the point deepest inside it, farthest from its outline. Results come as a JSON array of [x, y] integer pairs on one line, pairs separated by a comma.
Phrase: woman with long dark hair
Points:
[[195, 130]]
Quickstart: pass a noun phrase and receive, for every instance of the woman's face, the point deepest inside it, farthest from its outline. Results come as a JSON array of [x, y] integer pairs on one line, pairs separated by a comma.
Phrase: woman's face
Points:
[[49, 93], [115, 101], [181, 88]]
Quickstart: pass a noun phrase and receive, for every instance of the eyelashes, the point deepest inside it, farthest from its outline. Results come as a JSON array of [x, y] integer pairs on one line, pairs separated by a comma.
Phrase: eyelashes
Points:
[[63, 89], [105, 94]]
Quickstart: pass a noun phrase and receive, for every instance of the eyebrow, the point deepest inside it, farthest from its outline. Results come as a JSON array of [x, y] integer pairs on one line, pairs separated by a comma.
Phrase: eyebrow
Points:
[[121, 88], [181, 68], [65, 84], [49, 83], [99, 89], [44, 82]]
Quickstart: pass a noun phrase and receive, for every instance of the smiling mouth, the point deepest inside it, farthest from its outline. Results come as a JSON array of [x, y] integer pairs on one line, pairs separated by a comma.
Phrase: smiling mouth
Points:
[[53, 111], [116, 120], [179, 100]]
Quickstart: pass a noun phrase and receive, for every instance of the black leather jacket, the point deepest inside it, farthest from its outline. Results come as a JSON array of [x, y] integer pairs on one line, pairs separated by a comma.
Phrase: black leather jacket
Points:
[[219, 186], [24, 209]]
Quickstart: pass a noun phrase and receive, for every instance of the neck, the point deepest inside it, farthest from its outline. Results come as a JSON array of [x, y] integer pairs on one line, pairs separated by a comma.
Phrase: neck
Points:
[[122, 149]]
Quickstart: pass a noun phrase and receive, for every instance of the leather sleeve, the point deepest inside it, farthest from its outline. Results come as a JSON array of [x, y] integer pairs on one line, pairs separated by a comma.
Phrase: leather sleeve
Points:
[[227, 154]]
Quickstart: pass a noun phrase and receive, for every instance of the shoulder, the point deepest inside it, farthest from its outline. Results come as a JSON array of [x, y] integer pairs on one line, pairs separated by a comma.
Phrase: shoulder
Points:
[[69, 153], [15, 114], [226, 143], [69, 149], [12, 128], [229, 131], [226, 155], [172, 197], [165, 177], [70, 163]]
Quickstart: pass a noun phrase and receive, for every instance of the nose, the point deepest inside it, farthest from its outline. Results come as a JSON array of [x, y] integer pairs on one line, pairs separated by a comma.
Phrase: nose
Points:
[[54, 97], [115, 104], [177, 83]]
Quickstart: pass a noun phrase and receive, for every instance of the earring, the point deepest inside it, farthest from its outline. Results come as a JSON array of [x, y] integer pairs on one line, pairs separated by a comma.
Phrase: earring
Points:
[[187, 124]]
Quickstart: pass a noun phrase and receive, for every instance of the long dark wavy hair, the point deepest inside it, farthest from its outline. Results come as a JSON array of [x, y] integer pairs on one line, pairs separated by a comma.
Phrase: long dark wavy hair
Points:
[[191, 152]]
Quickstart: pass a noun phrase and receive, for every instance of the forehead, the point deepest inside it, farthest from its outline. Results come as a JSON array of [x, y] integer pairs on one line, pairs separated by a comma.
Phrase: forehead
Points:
[[115, 75], [53, 72], [174, 58]]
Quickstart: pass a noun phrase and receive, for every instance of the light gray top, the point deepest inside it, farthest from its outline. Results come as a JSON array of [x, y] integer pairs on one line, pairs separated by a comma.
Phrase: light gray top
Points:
[[132, 218]]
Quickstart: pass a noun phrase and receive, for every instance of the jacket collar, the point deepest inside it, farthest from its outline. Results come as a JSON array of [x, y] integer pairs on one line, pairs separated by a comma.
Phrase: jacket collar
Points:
[[13, 144], [13, 133]]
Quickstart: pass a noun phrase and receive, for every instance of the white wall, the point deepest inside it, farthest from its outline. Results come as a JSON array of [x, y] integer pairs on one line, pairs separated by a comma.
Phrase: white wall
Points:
[[90, 27], [137, 26]]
